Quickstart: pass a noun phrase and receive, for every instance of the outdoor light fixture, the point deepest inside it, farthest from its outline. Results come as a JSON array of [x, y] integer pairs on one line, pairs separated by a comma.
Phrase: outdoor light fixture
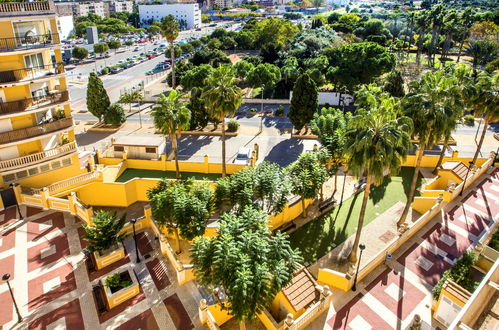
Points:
[[361, 247], [6, 278], [133, 221]]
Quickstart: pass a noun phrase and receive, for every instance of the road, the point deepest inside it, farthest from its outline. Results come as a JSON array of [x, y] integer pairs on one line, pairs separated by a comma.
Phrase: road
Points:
[[128, 78]]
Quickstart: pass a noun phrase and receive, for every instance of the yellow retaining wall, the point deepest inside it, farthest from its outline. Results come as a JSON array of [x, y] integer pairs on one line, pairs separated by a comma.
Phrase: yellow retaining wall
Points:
[[114, 256], [431, 161], [288, 214], [341, 281], [122, 297], [221, 316], [450, 296]]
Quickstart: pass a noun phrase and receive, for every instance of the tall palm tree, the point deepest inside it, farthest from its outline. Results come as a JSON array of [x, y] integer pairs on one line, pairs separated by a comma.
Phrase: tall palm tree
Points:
[[436, 17], [430, 103], [170, 117], [421, 23], [378, 140], [465, 22], [169, 29], [483, 96], [222, 98]]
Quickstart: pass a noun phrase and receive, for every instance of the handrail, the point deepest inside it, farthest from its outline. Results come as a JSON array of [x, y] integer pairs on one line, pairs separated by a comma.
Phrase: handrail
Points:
[[23, 133], [30, 73], [28, 41], [34, 103], [60, 185], [14, 7], [37, 157]]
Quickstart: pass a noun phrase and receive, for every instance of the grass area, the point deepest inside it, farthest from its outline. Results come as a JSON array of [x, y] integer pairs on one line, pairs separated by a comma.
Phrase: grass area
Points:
[[138, 173], [315, 239]]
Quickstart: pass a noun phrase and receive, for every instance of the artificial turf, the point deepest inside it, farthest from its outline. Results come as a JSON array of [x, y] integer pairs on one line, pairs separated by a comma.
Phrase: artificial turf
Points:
[[316, 238], [131, 173]]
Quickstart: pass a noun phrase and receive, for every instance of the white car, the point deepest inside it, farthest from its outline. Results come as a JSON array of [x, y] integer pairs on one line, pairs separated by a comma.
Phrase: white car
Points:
[[243, 156]]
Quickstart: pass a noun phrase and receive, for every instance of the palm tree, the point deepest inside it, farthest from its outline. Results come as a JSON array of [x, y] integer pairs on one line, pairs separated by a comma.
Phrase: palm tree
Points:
[[436, 17], [169, 29], [484, 98], [378, 141], [430, 103], [222, 97], [466, 20], [170, 117]]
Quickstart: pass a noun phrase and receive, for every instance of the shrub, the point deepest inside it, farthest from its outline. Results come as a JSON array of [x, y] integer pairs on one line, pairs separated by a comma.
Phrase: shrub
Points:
[[116, 281], [469, 120], [494, 242], [105, 231], [114, 115], [459, 273], [105, 70], [279, 111], [233, 125], [253, 110]]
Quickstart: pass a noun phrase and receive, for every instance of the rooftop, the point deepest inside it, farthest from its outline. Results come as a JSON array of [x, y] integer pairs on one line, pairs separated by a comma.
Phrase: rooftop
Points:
[[458, 168], [139, 140], [301, 291]]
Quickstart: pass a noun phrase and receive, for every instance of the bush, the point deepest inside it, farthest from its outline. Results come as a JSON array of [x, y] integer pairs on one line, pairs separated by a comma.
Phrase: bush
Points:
[[469, 120], [494, 242], [116, 281], [105, 70], [279, 111], [253, 110], [233, 125], [114, 115], [459, 273]]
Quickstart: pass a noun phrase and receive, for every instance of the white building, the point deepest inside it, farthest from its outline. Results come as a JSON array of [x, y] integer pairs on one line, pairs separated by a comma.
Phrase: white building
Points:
[[188, 12], [81, 8], [65, 26], [342, 3], [115, 6]]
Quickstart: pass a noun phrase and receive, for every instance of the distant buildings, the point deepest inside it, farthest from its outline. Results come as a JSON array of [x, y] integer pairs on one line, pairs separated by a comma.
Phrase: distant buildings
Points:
[[188, 14], [100, 8]]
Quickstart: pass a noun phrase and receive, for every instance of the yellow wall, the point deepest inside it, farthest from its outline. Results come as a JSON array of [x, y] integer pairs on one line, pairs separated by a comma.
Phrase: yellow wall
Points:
[[23, 121], [449, 295], [6, 28], [27, 148], [221, 316], [16, 93], [423, 204], [101, 262], [334, 278]]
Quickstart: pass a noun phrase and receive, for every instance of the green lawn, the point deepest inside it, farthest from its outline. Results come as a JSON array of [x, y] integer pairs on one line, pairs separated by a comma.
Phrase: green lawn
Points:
[[138, 173], [315, 239]]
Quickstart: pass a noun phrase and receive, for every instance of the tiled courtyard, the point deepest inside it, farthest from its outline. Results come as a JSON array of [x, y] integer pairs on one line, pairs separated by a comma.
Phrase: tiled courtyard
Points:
[[53, 288], [390, 297]]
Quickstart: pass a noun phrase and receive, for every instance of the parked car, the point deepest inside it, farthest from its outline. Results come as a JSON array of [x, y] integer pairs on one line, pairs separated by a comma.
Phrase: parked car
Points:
[[136, 49], [243, 156], [116, 70]]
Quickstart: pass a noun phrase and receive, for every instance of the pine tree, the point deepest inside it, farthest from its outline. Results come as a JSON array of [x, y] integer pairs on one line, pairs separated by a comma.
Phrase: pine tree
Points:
[[105, 231], [97, 98], [304, 102]]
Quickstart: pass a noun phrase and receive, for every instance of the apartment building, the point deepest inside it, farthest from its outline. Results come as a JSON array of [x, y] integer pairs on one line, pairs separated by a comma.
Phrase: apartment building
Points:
[[82, 8], [37, 141], [115, 6], [186, 12]]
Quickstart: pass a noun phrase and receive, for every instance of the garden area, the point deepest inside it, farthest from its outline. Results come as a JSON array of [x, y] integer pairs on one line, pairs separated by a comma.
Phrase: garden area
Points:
[[132, 173], [316, 238]]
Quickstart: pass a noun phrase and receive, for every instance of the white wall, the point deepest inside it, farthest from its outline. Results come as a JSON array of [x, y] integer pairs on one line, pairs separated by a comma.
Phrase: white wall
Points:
[[331, 98], [188, 12], [65, 26]]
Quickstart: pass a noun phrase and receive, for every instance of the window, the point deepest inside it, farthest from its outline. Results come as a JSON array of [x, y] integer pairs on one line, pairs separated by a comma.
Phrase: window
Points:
[[119, 148], [33, 60], [151, 150]]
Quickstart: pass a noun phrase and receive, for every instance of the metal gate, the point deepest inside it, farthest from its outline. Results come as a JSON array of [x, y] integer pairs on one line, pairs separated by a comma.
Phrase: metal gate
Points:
[[8, 197]]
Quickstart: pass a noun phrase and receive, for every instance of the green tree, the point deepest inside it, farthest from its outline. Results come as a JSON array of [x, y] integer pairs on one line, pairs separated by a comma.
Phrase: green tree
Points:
[[243, 68], [80, 53], [394, 83], [97, 98], [483, 97], [181, 206], [465, 23], [104, 233], [436, 17], [429, 104], [358, 63], [187, 48], [276, 31], [114, 44], [101, 48], [170, 117], [378, 140], [307, 175], [223, 97], [247, 261], [199, 115], [196, 76], [265, 186], [132, 97], [153, 29], [265, 74], [169, 30], [304, 102], [114, 115], [482, 52], [331, 126]]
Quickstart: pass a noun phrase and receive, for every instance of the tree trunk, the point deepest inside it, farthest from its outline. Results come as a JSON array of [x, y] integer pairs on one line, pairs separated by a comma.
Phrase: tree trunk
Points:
[[242, 325], [353, 255], [461, 48], [485, 126], [343, 188], [304, 213], [224, 170], [420, 45], [335, 182], [177, 237], [432, 44], [172, 57], [442, 154], [414, 181], [175, 153]]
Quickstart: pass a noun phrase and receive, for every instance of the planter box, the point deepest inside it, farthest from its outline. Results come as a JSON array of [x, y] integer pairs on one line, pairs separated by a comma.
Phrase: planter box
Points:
[[106, 258], [113, 299]]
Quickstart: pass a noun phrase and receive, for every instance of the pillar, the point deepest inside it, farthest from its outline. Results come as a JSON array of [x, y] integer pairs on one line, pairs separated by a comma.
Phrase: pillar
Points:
[[90, 215], [203, 311], [124, 155], [256, 148], [206, 160], [316, 147], [44, 193], [17, 191], [72, 202], [289, 321]]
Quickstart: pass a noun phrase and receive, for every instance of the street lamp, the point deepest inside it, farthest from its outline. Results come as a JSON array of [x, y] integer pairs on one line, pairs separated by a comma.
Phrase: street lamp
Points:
[[6, 277], [17, 205], [133, 221], [466, 177], [361, 247]]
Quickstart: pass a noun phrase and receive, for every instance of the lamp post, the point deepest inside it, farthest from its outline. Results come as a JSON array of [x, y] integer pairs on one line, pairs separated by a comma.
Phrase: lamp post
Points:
[[6, 277], [133, 221], [466, 177], [361, 247]]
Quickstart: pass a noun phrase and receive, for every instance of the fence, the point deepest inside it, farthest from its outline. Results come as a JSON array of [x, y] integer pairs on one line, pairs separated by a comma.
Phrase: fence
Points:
[[37, 157], [65, 184]]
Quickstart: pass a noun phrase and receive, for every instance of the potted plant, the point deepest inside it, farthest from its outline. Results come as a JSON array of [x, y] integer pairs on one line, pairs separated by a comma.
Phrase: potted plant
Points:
[[119, 287], [104, 238]]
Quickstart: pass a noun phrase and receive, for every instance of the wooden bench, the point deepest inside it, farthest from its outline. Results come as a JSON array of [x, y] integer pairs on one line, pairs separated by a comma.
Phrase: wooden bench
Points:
[[89, 261], [99, 299]]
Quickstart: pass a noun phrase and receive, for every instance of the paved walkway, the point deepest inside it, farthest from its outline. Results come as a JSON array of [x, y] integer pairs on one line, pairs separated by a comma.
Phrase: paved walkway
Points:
[[53, 289], [390, 296]]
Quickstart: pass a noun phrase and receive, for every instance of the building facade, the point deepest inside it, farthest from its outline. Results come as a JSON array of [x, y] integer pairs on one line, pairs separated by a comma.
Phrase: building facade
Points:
[[186, 12], [82, 8], [115, 6], [37, 141]]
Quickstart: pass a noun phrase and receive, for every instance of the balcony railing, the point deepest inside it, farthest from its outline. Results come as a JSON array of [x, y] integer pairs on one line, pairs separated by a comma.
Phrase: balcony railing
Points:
[[34, 103], [28, 132], [30, 73], [17, 7], [28, 41], [38, 157]]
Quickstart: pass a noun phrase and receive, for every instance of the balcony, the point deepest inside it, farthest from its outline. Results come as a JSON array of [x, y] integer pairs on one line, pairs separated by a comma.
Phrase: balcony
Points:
[[38, 157], [24, 133], [34, 103], [30, 73], [28, 42], [26, 8]]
